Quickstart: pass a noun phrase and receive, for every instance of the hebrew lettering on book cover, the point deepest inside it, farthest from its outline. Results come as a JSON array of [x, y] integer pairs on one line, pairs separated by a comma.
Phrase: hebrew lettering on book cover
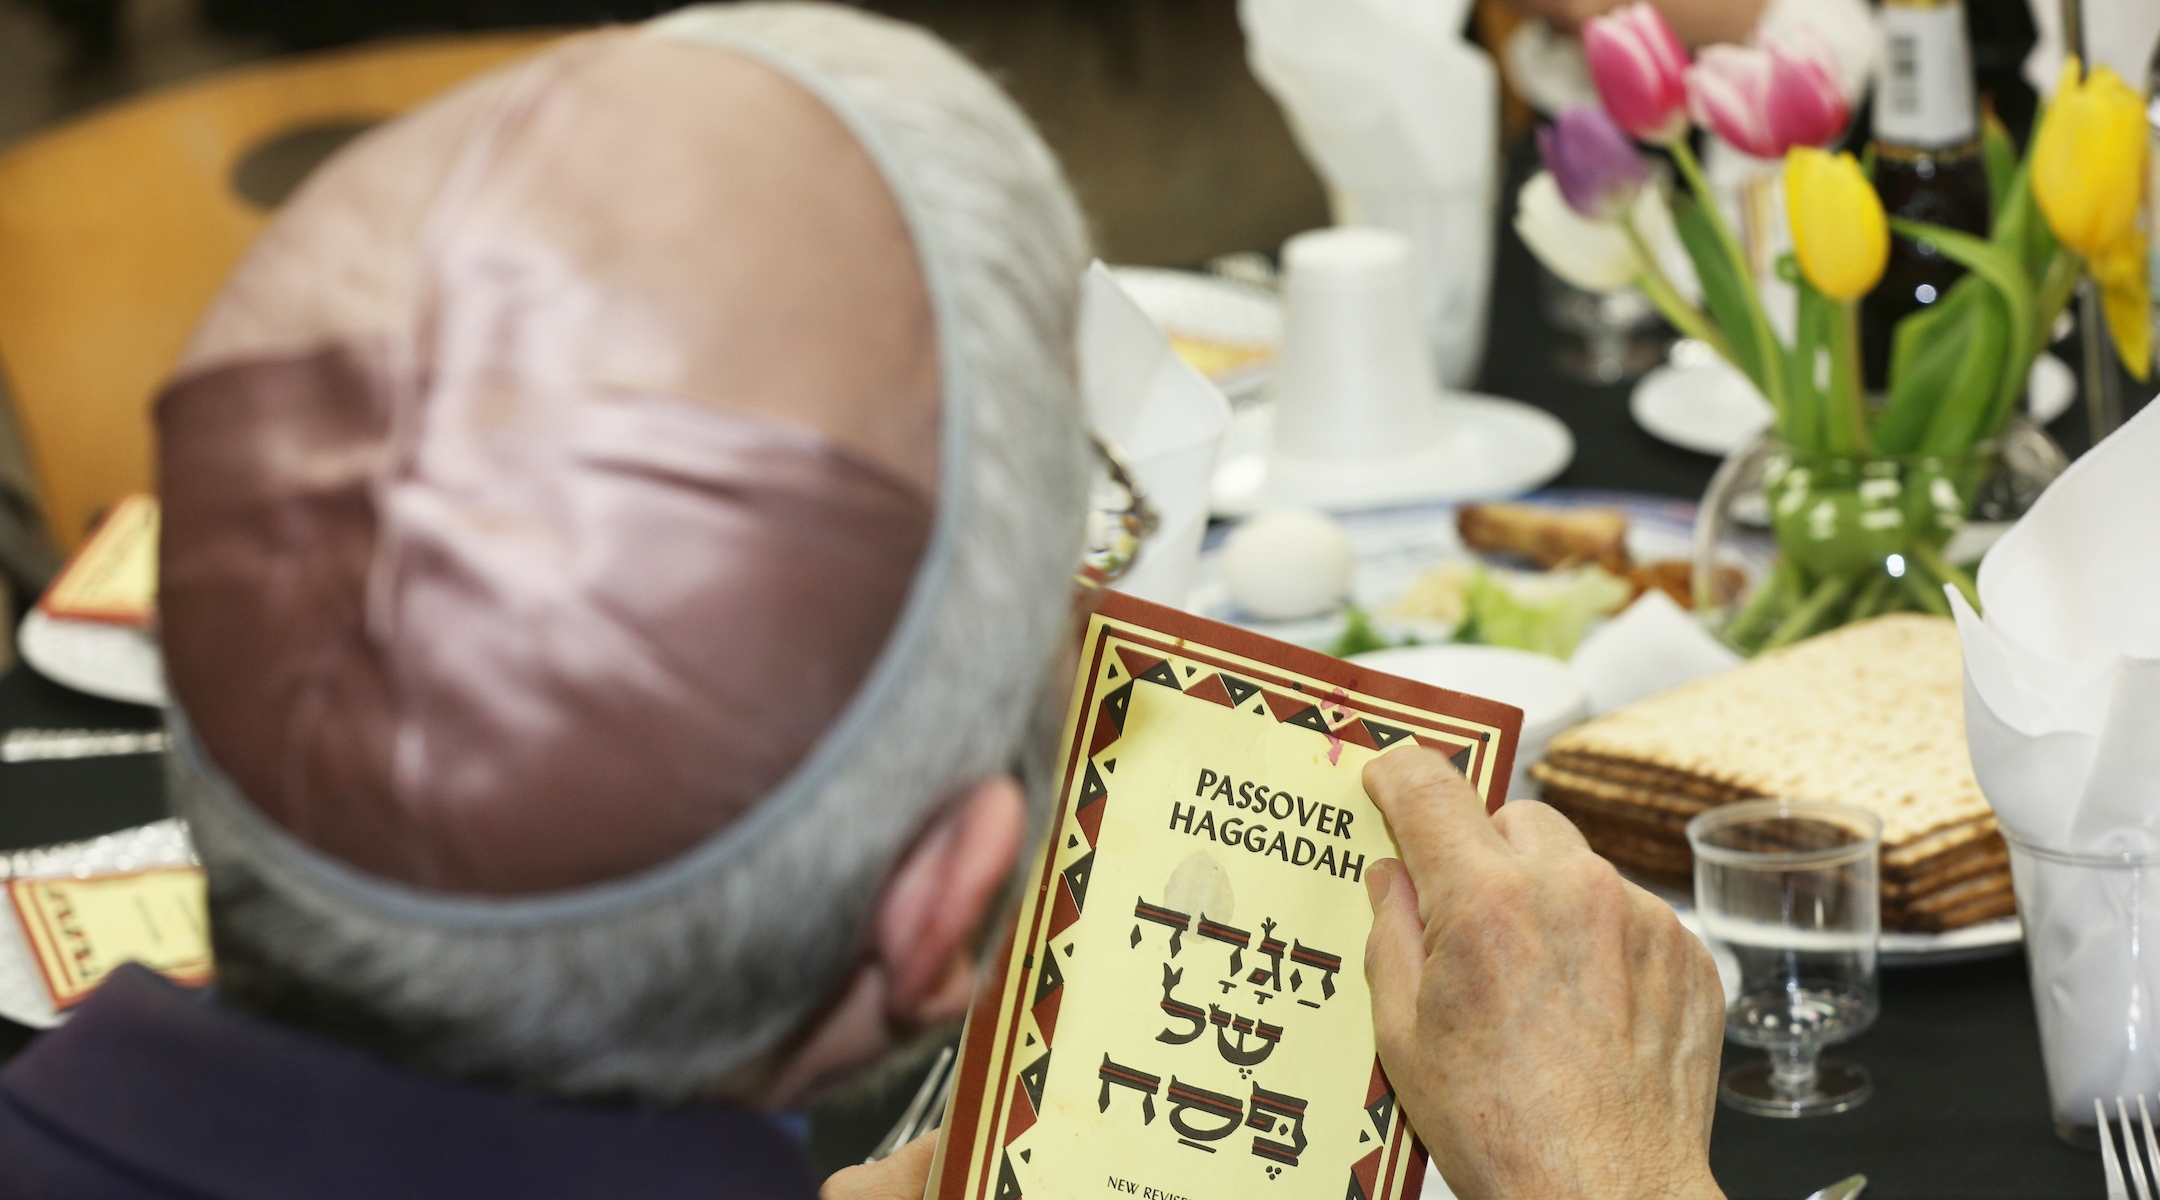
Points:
[[1181, 1013]]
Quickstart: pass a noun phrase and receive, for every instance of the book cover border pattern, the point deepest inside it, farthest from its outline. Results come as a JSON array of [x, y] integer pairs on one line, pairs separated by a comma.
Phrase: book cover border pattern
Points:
[[995, 1106]]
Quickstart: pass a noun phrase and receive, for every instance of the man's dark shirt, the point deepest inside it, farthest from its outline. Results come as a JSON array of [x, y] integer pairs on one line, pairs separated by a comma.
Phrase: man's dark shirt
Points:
[[150, 1091]]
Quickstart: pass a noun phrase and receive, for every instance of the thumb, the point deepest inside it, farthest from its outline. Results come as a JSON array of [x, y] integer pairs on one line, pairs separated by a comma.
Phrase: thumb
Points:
[[901, 1176], [1395, 951]]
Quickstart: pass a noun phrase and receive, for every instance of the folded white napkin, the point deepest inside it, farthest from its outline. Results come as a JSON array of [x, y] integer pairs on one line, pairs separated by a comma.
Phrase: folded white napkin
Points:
[[2062, 713], [1653, 646], [1164, 417], [2062, 676], [2118, 34], [1400, 116]]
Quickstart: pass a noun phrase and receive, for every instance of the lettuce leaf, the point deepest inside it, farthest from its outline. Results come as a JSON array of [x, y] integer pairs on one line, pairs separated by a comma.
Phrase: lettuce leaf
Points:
[[1548, 613]]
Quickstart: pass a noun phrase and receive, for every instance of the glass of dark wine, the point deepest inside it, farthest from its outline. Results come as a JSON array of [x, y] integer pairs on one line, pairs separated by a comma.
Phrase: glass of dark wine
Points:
[[1787, 891]]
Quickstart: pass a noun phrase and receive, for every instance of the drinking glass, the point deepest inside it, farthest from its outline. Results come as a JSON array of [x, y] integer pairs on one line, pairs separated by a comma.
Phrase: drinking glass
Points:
[[1618, 332], [1788, 889], [2086, 916]]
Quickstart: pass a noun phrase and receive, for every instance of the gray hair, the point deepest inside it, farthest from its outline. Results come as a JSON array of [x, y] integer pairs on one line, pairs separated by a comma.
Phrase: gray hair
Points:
[[662, 985]]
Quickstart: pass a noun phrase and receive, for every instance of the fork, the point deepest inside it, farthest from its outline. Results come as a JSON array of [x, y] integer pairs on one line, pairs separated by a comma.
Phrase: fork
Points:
[[2142, 1168], [926, 1111]]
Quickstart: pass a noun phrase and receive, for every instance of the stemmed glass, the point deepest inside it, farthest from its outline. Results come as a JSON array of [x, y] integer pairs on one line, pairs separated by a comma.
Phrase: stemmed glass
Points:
[[1788, 889], [1618, 331]]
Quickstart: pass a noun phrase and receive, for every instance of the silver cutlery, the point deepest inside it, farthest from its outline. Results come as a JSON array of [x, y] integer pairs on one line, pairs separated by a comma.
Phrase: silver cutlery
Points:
[[2139, 1167], [1848, 1188], [925, 1112], [45, 745]]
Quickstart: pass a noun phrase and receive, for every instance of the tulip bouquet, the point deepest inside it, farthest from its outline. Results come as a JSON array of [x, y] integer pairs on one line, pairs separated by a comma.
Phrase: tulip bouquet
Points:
[[1864, 491]]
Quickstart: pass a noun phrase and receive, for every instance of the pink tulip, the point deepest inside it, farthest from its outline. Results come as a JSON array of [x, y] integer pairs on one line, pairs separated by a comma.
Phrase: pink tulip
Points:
[[1766, 100], [1638, 65]]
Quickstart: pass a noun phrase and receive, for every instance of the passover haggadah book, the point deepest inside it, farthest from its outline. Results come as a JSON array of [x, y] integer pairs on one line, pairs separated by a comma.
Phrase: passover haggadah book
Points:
[[1180, 1012]]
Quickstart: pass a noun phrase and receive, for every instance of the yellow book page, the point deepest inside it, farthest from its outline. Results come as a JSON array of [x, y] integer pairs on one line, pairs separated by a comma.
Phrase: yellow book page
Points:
[[114, 576], [81, 929], [1183, 1012]]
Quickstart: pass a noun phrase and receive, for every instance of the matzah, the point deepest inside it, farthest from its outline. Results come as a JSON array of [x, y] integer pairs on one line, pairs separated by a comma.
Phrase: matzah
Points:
[[1869, 715]]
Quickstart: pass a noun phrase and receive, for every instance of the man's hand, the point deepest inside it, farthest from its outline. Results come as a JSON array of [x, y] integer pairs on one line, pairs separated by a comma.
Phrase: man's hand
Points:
[[1549, 1027], [899, 1176]]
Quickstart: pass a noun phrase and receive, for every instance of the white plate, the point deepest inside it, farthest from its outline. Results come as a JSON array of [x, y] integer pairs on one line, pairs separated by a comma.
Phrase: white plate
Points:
[[1395, 546], [112, 661], [1494, 448], [1898, 948], [1711, 408], [1210, 308], [1548, 68], [23, 998], [1551, 697]]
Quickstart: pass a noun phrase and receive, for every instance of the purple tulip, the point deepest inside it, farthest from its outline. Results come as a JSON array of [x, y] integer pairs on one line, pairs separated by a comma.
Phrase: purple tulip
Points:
[[1597, 167]]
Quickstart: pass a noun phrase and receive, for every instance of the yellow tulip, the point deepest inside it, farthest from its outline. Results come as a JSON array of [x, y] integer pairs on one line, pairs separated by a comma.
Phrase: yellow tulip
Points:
[[2126, 299], [1839, 232], [2088, 159]]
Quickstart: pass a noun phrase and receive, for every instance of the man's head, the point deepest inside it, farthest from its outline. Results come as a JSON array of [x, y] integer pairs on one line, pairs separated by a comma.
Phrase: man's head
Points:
[[617, 523]]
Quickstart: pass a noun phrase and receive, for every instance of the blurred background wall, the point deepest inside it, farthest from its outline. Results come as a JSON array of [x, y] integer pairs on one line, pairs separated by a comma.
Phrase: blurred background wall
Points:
[[1177, 154]]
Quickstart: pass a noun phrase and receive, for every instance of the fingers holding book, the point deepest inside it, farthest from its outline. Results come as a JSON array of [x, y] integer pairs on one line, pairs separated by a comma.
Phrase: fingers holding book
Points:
[[1550, 1028], [1437, 818]]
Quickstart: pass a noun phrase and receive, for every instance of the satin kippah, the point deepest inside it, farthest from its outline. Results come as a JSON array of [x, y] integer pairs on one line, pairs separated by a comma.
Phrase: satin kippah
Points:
[[549, 480]]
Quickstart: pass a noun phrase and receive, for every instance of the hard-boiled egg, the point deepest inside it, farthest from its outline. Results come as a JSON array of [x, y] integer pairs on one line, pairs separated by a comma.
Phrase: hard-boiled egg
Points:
[[1288, 563]]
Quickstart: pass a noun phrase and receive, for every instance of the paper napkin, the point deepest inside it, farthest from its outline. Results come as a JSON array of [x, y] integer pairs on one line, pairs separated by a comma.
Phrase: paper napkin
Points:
[[1653, 646], [2062, 674], [1164, 417], [2118, 34], [2062, 706], [1399, 115]]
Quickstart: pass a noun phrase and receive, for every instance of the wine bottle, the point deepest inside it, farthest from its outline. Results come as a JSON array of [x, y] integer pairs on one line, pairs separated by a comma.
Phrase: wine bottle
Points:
[[1928, 164]]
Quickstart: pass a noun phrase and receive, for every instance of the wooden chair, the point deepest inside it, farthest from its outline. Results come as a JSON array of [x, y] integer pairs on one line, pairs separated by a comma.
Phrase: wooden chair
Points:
[[118, 228]]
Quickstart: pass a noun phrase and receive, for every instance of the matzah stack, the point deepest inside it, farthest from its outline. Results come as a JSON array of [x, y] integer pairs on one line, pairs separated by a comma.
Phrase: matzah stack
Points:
[[1870, 715]]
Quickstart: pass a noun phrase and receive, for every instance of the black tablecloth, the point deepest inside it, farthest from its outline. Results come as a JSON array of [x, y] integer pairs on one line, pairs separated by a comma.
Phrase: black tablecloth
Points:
[[1960, 1108]]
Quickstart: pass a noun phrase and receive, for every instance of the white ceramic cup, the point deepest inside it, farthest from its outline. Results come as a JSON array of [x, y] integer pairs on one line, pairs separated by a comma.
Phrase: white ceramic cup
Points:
[[1355, 381]]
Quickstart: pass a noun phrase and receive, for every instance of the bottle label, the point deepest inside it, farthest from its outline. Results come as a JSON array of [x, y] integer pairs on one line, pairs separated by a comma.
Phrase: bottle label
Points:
[[1926, 94]]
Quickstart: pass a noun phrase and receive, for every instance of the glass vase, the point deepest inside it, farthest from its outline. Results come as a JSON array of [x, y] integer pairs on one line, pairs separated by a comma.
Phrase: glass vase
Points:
[[1856, 536]]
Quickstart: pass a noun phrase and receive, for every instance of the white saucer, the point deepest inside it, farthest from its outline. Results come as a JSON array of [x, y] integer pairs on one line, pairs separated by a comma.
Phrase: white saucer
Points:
[[1495, 447], [112, 661], [1711, 408]]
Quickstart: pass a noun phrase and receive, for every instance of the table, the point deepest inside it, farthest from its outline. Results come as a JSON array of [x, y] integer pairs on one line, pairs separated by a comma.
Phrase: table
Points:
[[46, 802], [1960, 1108]]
